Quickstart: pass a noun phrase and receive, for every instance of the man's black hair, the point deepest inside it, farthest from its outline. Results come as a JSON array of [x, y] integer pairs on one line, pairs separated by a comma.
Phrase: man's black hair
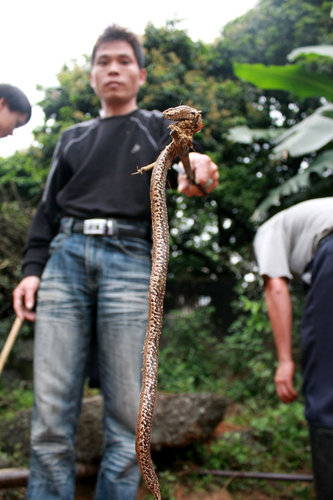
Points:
[[15, 99]]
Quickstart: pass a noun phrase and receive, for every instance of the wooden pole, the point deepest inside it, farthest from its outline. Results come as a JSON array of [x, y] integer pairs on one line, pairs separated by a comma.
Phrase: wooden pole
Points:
[[16, 477], [10, 342]]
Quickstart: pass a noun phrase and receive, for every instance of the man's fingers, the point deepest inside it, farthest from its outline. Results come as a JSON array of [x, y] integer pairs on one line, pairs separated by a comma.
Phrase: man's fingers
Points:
[[18, 298], [30, 299], [208, 176], [24, 297], [205, 173], [189, 189], [286, 393]]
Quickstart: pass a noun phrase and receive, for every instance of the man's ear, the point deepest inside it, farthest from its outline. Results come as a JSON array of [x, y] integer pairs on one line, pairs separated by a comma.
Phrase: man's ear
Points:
[[143, 76]]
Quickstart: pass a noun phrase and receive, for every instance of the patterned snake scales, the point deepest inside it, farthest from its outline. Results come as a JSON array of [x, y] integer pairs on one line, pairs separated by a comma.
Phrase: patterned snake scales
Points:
[[187, 121]]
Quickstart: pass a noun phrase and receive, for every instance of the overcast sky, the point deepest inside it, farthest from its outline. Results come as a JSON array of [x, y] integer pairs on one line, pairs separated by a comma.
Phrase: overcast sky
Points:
[[38, 36]]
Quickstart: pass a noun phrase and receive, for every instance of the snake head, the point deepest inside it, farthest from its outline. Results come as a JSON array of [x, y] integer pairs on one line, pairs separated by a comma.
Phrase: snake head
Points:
[[185, 113]]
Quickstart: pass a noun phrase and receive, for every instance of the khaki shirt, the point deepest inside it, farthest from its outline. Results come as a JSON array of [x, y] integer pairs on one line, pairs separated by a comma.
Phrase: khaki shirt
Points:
[[285, 244]]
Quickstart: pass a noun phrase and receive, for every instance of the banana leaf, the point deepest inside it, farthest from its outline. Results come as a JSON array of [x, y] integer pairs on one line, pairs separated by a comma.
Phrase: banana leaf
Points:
[[289, 78], [307, 136], [320, 50], [245, 135], [322, 166]]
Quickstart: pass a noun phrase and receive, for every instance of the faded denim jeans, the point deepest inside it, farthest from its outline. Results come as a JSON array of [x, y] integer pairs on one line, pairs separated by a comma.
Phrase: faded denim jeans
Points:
[[88, 279]]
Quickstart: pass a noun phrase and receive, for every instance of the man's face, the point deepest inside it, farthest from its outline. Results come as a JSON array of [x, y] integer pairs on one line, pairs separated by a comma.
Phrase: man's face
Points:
[[9, 119], [116, 76]]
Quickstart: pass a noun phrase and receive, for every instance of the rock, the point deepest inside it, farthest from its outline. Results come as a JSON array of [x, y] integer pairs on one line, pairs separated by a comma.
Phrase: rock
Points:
[[179, 420]]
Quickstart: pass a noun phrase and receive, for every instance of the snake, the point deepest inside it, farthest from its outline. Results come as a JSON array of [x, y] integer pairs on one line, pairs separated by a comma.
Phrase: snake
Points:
[[186, 121]]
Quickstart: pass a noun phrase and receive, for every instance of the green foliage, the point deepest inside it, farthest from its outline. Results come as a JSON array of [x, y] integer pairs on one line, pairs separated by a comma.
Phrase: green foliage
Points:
[[284, 431], [245, 135], [273, 440], [14, 223], [192, 358], [14, 398], [190, 355], [73, 100], [320, 167], [249, 351], [311, 76], [268, 32], [290, 78], [322, 50], [168, 481], [309, 136], [22, 177]]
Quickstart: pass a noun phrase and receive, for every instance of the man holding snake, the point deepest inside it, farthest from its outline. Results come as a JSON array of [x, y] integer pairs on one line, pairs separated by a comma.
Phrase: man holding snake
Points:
[[88, 256]]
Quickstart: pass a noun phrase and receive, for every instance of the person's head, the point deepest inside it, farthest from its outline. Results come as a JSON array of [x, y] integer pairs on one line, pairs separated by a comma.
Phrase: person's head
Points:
[[117, 70], [114, 33], [15, 109]]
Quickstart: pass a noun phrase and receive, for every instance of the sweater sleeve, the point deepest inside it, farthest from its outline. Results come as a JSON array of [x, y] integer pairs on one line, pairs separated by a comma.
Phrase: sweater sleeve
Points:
[[45, 223], [36, 249]]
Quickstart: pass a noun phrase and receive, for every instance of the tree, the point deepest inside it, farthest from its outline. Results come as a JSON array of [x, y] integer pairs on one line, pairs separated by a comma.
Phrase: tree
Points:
[[310, 136], [211, 239], [267, 33]]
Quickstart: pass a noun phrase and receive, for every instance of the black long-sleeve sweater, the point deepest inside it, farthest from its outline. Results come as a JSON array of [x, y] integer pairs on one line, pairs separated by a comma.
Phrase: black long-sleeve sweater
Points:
[[90, 177]]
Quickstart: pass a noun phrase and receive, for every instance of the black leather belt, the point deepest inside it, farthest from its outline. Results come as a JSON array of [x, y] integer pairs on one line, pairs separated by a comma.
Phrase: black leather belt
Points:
[[111, 227]]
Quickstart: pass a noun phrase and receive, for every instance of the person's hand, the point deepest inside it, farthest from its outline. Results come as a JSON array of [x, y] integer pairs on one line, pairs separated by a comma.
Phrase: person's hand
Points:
[[24, 298], [284, 382], [205, 173]]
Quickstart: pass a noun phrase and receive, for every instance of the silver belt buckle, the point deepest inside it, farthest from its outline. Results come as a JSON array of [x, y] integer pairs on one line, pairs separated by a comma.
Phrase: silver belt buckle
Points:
[[110, 227], [94, 226]]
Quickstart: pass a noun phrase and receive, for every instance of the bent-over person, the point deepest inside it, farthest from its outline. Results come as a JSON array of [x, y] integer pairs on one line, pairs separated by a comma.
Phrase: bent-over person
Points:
[[297, 243]]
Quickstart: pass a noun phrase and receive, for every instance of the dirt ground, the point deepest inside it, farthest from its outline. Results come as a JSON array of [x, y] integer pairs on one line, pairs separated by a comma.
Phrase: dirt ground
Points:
[[83, 494], [85, 491], [180, 494]]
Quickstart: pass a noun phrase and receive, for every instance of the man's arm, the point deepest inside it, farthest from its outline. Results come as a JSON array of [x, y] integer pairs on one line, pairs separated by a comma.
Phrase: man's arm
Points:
[[42, 230], [279, 309], [205, 173]]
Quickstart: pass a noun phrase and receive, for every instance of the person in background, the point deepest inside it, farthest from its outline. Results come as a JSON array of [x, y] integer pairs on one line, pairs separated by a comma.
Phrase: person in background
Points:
[[15, 109], [88, 255], [298, 243]]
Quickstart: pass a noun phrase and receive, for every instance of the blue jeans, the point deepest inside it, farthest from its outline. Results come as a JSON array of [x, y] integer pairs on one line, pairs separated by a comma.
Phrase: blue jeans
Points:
[[100, 283], [316, 340]]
